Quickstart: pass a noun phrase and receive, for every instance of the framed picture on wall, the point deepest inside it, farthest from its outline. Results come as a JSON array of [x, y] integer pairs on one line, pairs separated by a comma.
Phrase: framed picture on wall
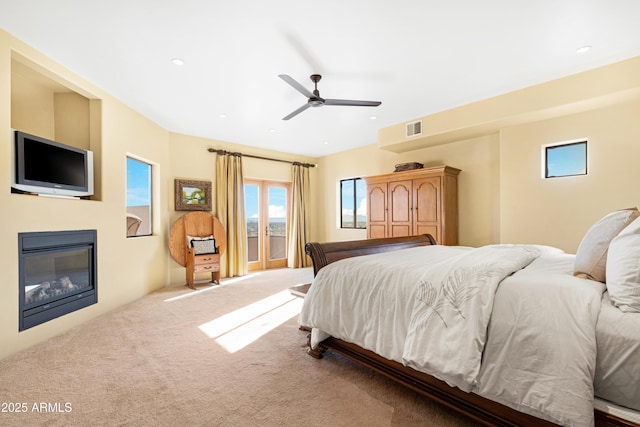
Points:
[[192, 195]]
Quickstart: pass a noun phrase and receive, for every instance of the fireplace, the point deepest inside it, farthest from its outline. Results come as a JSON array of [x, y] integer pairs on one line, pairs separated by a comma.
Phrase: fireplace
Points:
[[57, 274]]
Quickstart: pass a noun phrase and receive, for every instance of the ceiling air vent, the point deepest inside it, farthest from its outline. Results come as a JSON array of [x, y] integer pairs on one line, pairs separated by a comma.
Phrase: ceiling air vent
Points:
[[414, 128]]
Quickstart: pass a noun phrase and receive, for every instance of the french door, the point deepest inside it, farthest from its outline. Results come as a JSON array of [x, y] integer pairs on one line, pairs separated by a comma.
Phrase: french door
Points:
[[267, 211]]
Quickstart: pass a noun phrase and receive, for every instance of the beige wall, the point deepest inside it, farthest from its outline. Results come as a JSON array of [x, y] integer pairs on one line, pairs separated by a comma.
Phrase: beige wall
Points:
[[559, 211], [502, 197], [603, 86]]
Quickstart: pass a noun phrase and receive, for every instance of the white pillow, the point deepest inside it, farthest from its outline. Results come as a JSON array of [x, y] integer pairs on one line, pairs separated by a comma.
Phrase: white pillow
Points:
[[202, 245], [623, 269], [591, 257]]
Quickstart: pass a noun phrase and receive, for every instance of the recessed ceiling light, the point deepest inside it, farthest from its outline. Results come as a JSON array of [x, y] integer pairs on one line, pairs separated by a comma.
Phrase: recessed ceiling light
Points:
[[273, 130], [373, 117], [178, 61], [325, 142], [583, 49], [223, 116]]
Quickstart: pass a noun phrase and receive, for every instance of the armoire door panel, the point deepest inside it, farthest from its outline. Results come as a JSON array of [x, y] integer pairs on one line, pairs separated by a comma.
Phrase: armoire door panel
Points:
[[427, 200], [400, 202], [377, 210], [401, 230], [434, 230], [377, 199], [375, 231]]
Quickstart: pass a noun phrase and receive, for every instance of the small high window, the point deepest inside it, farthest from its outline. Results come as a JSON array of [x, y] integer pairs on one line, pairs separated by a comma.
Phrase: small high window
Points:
[[353, 203], [565, 159], [139, 198]]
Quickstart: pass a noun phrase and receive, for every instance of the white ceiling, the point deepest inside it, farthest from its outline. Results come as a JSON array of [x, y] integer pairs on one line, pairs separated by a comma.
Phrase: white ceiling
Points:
[[416, 56]]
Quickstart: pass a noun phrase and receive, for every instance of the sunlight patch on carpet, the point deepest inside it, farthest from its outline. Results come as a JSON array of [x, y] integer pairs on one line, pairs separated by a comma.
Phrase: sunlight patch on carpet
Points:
[[224, 282], [239, 328]]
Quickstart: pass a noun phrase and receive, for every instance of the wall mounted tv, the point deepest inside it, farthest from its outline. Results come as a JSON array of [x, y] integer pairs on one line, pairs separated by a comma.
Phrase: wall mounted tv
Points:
[[46, 167]]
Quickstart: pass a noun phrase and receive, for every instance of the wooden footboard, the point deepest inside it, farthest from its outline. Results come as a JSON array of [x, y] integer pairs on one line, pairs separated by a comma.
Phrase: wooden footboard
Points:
[[472, 405]]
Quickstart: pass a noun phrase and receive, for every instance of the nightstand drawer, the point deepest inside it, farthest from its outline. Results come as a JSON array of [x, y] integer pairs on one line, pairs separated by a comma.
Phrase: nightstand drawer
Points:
[[206, 259], [203, 268]]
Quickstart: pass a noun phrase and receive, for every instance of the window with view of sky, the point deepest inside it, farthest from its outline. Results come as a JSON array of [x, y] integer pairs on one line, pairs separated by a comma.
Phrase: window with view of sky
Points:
[[138, 196], [567, 159], [353, 203]]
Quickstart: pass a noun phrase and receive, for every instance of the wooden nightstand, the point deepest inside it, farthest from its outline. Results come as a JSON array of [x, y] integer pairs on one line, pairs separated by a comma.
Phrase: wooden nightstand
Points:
[[202, 264]]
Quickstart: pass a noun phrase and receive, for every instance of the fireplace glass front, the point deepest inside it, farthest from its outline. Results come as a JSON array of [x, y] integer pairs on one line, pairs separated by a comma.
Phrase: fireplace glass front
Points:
[[57, 274]]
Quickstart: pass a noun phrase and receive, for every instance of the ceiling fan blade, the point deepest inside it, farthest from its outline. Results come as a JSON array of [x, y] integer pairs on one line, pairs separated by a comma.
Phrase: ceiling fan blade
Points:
[[352, 102], [295, 113], [297, 86]]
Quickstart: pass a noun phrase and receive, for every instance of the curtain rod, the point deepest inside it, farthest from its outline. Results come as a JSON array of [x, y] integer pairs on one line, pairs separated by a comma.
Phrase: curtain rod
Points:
[[230, 153]]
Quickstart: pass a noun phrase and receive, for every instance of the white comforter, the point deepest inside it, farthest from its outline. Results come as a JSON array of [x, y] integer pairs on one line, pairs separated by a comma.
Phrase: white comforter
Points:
[[436, 309]]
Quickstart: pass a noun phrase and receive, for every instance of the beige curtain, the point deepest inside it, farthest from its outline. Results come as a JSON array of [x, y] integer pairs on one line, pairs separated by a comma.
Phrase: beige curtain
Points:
[[230, 212], [299, 217]]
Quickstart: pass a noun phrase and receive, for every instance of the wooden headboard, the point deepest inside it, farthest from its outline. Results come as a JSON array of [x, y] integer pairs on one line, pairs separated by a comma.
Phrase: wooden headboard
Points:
[[325, 253]]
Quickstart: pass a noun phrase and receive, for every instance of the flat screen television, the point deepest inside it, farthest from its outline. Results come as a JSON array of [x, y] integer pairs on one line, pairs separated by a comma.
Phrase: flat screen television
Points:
[[46, 167]]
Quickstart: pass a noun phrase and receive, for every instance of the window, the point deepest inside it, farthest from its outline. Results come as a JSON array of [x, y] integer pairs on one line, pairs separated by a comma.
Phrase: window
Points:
[[353, 203], [138, 198], [565, 159]]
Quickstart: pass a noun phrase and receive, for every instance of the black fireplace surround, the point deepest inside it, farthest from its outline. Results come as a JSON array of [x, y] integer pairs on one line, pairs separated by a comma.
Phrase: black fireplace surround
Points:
[[57, 274]]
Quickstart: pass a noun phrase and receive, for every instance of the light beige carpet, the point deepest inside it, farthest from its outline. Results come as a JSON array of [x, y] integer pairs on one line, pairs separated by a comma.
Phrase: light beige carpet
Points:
[[193, 358]]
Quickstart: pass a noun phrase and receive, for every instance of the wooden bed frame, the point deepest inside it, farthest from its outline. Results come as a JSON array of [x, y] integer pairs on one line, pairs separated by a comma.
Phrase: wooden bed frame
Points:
[[472, 405]]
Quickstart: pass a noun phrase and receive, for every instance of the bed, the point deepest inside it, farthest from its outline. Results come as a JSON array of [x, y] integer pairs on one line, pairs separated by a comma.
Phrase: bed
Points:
[[363, 304]]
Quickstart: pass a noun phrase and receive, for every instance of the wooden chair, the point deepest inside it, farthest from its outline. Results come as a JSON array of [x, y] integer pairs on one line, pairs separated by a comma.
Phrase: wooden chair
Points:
[[197, 224]]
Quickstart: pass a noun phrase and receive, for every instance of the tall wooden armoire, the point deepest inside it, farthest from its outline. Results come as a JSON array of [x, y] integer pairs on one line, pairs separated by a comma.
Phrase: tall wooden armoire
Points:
[[420, 201]]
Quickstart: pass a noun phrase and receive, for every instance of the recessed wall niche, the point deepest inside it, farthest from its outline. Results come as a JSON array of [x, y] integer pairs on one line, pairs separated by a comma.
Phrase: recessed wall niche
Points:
[[46, 105]]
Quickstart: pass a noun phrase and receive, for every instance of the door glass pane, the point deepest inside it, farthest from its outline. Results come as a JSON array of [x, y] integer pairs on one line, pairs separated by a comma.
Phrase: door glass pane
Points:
[[277, 223], [252, 205]]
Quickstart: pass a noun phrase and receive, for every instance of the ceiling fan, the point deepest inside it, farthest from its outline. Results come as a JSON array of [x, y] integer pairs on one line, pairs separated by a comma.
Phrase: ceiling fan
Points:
[[316, 101]]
